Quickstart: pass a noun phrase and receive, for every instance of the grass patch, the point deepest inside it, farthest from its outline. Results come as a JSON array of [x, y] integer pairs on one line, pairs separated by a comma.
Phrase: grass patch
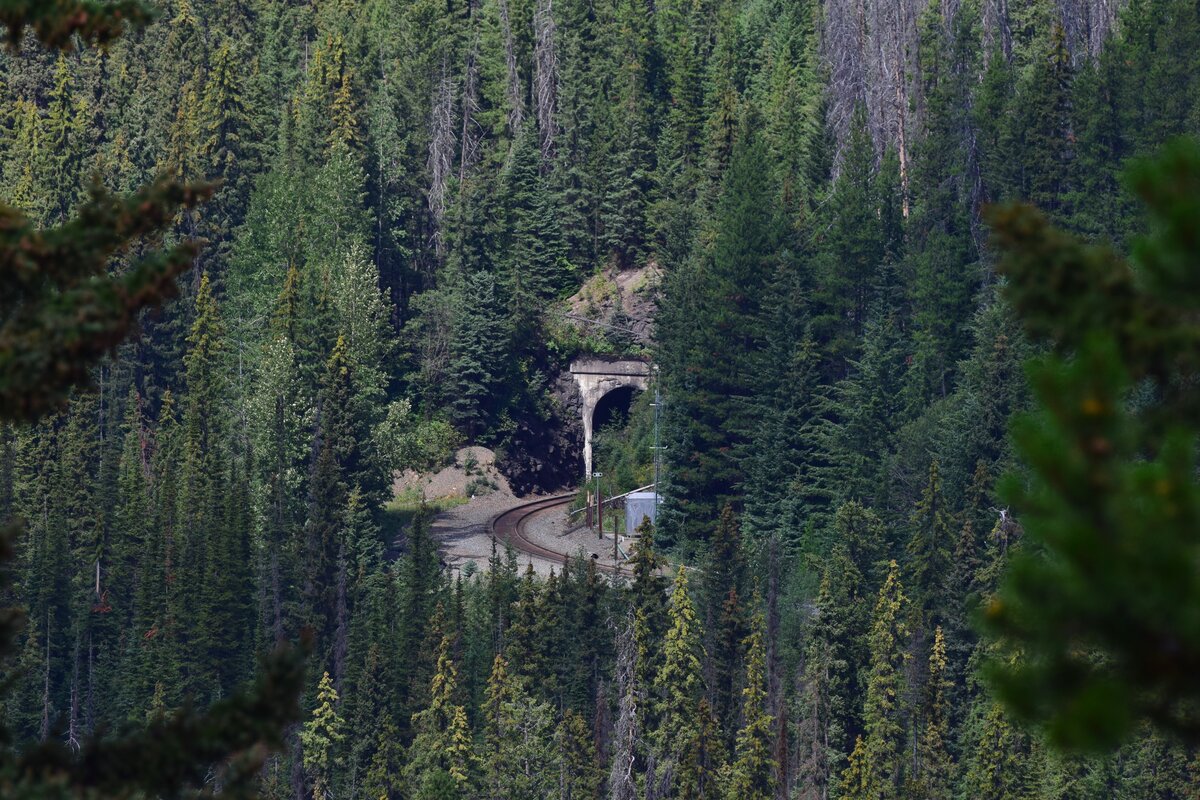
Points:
[[400, 511]]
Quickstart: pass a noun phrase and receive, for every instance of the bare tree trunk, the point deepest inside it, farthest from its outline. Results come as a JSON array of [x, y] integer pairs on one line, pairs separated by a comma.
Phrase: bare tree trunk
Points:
[[44, 731], [996, 29], [299, 788], [601, 724], [901, 36], [469, 144], [776, 706], [441, 153], [622, 783], [341, 630], [89, 717], [1088, 24], [515, 97], [545, 79], [73, 716]]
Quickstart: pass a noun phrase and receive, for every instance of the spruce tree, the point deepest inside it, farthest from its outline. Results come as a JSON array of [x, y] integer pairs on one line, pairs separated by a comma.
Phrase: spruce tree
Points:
[[647, 600], [853, 252], [751, 772], [321, 738], [933, 777], [877, 763], [1103, 470], [718, 333], [579, 776], [203, 485], [678, 688], [440, 754], [930, 549]]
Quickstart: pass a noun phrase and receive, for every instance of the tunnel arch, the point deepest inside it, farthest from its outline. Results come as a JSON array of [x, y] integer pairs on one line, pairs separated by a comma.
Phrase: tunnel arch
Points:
[[599, 378]]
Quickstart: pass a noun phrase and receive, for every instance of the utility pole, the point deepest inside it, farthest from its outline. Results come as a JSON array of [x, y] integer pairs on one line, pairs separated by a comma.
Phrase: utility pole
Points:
[[657, 445], [596, 476]]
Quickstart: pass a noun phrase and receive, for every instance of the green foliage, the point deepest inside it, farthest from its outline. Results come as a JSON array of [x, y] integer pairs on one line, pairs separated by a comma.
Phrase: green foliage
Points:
[[877, 763], [830, 325], [1092, 599], [56, 23], [321, 737], [62, 311], [442, 744], [750, 774], [716, 331], [678, 686]]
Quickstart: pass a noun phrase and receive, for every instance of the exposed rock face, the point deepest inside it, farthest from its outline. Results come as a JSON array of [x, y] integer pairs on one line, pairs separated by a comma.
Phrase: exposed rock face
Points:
[[548, 455], [625, 299]]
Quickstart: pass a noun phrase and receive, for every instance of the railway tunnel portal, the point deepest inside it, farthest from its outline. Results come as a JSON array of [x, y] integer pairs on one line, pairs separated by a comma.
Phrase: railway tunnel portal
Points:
[[603, 383]]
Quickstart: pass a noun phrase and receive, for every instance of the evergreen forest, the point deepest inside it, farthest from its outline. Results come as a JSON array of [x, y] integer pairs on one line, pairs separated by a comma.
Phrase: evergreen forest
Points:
[[919, 281]]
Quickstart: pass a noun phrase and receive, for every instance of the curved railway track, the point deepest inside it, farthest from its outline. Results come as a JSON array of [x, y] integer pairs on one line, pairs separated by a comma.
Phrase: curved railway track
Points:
[[509, 527]]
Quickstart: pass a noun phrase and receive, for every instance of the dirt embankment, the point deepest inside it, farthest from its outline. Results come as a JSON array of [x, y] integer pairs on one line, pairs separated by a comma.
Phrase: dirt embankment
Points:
[[472, 474]]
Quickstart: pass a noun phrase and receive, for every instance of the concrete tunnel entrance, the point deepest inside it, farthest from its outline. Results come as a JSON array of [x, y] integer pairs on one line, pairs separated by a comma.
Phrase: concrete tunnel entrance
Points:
[[606, 387]]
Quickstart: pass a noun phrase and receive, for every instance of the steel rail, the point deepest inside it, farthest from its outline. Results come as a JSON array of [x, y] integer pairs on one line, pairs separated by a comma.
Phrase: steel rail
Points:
[[509, 527]]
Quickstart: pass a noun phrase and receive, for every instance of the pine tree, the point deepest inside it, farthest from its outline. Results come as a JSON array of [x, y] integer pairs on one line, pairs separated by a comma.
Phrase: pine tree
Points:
[[1084, 437], [999, 156], [477, 351], [870, 404], [502, 690], [60, 147], [834, 656], [876, 766], [628, 176], [522, 760], [329, 484], [942, 248], [850, 258], [718, 335], [998, 764], [534, 264], [930, 548], [441, 750], [202, 484], [678, 688], [224, 122], [525, 649], [383, 777], [579, 777], [62, 312], [933, 777], [751, 773], [131, 544], [647, 599], [321, 738], [1044, 127]]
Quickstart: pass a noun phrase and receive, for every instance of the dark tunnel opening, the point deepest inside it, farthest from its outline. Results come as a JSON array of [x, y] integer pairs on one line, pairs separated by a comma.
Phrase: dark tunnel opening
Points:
[[613, 408]]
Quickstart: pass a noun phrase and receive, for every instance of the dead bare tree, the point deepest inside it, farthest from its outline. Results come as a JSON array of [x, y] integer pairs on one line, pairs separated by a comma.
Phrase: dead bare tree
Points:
[[471, 130], [514, 95], [842, 41], [997, 32], [622, 781], [441, 152], [1088, 24], [870, 49], [545, 78]]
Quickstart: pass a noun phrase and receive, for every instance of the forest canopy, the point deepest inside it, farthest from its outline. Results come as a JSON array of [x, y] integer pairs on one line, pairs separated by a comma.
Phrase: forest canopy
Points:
[[916, 279]]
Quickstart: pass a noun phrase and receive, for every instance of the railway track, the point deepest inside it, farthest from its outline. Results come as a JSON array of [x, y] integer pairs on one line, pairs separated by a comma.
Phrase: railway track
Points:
[[509, 527]]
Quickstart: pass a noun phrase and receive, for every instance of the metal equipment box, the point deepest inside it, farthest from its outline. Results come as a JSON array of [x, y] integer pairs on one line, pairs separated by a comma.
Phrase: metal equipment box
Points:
[[638, 506]]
